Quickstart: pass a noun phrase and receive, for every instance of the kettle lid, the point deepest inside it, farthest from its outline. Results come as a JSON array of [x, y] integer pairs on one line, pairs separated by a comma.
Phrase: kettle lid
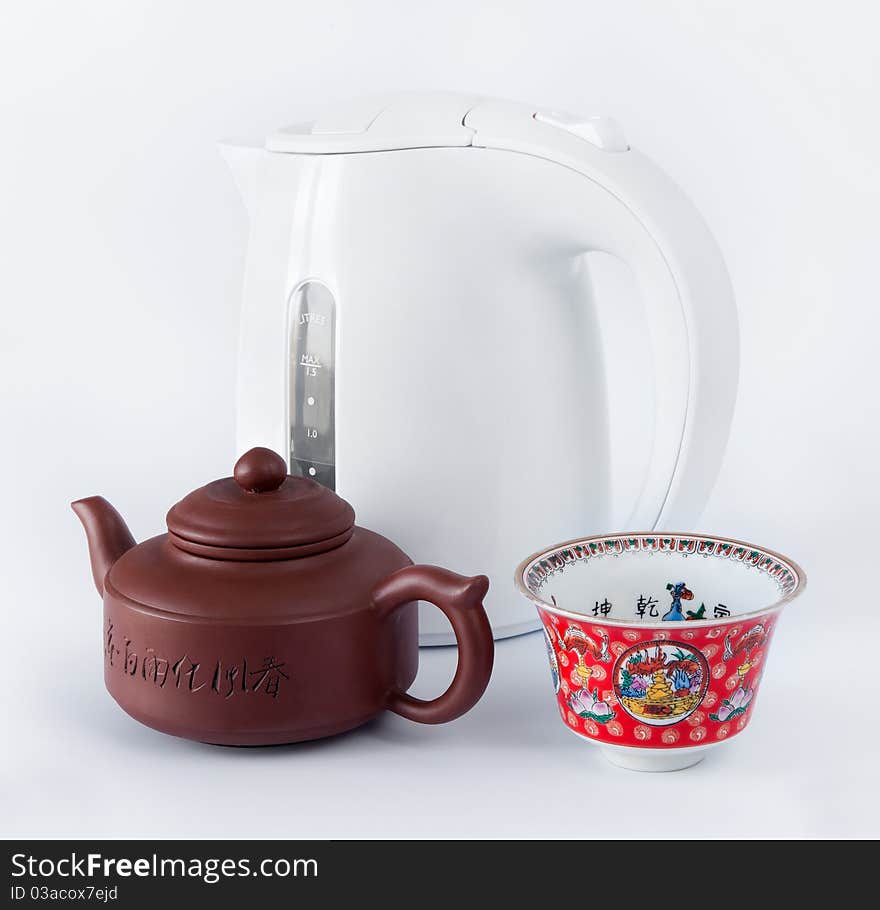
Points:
[[407, 120], [260, 513]]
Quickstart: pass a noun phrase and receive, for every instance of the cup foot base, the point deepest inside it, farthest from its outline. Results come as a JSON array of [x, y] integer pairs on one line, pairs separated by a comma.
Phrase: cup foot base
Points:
[[653, 760]]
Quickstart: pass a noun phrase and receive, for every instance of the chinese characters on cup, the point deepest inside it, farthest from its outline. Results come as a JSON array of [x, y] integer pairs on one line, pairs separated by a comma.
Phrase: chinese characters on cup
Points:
[[646, 608]]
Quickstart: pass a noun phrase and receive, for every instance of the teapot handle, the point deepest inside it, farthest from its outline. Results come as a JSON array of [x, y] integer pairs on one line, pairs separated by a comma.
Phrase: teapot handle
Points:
[[461, 599]]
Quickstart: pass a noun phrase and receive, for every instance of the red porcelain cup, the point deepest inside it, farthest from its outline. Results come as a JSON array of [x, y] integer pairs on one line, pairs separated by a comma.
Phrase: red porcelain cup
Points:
[[657, 641]]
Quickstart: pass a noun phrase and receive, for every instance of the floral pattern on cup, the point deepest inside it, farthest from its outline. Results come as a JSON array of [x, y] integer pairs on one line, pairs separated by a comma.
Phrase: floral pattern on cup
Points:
[[659, 682]]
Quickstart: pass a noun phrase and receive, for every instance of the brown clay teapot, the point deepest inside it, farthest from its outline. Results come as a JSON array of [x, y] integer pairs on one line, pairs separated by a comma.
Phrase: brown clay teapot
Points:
[[265, 615]]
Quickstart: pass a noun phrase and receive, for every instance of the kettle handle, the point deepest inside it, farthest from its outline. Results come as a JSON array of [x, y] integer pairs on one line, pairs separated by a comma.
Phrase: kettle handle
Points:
[[617, 201], [461, 599]]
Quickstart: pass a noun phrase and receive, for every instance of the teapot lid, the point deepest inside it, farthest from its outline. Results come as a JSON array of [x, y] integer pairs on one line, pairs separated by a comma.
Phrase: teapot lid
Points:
[[260, 513]]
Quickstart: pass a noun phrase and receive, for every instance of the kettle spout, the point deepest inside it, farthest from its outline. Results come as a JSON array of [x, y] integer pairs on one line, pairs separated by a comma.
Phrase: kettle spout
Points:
[[244, 161], [107, 534]]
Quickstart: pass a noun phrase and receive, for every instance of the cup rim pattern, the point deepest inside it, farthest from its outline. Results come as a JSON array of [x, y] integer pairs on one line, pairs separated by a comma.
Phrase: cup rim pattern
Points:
[[533, 572]]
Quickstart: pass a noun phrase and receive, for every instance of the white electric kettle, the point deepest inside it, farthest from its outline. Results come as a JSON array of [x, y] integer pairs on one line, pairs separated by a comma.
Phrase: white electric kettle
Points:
[[418, 330]]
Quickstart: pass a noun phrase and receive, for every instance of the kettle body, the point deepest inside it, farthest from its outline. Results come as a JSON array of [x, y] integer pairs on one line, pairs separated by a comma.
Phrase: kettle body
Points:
[[418, 330]]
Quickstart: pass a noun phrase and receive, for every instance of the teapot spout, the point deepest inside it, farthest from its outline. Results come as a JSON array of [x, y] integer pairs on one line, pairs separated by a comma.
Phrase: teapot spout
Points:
[[106, 532]]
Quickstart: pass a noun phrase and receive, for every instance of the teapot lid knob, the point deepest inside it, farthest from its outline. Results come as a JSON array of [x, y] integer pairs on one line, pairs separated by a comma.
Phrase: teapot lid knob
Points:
[[260, 470]]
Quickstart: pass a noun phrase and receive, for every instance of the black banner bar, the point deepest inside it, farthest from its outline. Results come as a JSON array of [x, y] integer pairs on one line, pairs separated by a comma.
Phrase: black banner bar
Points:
[[126, 873]]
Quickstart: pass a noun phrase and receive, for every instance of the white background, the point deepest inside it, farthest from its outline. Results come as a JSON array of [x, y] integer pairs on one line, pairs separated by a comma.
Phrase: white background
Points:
[[121, 252]]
